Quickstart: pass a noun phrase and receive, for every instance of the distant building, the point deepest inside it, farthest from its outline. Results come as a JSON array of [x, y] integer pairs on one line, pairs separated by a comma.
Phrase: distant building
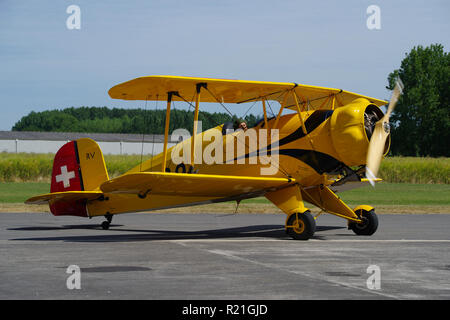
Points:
[[110, 143]]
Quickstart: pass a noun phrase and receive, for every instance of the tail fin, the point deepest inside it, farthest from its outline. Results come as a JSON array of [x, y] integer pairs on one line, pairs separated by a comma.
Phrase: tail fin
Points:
[[78, 166]]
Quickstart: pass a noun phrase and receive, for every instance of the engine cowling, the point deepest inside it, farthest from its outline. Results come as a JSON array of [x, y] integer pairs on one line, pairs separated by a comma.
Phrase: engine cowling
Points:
[[351, 128]]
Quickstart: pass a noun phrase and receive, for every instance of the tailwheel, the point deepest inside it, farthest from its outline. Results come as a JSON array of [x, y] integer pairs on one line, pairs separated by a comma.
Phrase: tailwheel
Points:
[[301, 226], [369, 223], [106, 224]]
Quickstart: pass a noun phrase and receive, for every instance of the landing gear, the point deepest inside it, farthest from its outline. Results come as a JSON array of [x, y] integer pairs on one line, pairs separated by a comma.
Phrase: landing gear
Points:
[[301, 226], [369, 223], [105, 224]]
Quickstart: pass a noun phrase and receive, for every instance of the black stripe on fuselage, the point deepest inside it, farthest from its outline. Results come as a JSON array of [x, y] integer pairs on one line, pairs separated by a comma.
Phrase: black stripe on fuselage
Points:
[[319, 161], [313, 121]]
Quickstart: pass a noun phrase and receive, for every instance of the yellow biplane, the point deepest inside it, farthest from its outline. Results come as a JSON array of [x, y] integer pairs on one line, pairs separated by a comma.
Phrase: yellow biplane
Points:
[[320, 142]]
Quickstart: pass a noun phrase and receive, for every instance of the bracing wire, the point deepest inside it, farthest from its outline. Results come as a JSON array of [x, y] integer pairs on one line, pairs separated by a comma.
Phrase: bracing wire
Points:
[[213, 95], [249, 108]]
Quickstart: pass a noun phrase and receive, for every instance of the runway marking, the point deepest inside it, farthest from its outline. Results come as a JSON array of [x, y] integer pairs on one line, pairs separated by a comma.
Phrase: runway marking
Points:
[[311, 240], [383, 240], [256, 240]]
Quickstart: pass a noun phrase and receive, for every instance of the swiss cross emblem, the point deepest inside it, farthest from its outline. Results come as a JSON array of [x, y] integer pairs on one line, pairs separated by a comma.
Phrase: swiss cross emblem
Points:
[[65, 176]]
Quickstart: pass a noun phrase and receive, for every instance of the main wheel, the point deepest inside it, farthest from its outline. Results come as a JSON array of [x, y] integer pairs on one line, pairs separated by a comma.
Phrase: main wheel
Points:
[[105, 225], [369, 223], [301, 226]]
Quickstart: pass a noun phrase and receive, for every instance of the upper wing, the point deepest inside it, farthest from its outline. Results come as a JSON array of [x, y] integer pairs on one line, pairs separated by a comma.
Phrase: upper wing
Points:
[[225, 90], [232, 91], [184, 184]]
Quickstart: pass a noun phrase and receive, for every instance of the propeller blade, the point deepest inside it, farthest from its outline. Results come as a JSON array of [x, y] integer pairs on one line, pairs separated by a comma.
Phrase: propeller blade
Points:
[[375, 152], [396, 93], [380, 135]]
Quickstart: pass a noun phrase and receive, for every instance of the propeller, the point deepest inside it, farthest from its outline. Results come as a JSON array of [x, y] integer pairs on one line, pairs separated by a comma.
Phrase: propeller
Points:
[[380, 135]]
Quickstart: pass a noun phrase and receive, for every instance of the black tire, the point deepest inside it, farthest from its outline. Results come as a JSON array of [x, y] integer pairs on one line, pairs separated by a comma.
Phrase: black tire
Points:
[[301, 226], [369, 224], [105, 225]]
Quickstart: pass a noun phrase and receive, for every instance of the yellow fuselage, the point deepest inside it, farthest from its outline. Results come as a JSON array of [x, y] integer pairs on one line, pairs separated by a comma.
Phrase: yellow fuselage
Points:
[[333, 139]]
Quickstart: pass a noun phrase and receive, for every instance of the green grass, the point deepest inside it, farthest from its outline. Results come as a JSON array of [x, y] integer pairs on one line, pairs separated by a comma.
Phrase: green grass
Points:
[[399, 194], [419, 185], [18, 192], [37, 167], [25, 166], [415, 170], [392, 194], [382, 194]]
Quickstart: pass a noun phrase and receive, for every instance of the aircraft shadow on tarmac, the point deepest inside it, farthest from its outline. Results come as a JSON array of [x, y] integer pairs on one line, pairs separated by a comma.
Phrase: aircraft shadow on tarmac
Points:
[[254, 231]]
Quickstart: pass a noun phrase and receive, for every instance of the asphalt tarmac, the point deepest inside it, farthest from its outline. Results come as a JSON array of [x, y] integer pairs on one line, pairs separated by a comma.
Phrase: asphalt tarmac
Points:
[[220, 256]]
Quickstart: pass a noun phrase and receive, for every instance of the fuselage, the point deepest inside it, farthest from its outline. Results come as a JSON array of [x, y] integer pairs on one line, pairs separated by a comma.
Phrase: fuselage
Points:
[[313, 154]]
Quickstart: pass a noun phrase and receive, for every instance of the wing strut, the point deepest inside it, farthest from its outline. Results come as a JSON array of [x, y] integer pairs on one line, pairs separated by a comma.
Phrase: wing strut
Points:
[[194, 130], [166, 130]]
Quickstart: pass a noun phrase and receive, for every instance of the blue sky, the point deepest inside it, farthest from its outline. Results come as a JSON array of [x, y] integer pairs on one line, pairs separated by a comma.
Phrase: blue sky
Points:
[[44, 65]]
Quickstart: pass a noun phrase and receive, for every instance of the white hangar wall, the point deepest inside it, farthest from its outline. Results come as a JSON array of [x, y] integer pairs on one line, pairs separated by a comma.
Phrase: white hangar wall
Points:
[[50, 142]]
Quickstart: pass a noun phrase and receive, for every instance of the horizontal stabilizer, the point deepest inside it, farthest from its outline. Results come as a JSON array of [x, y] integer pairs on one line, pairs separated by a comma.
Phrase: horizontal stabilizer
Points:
[[64, 196], [185, 184]]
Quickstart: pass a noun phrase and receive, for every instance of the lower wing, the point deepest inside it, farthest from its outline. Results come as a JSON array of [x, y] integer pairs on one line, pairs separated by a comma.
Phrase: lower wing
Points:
[[185, 184]]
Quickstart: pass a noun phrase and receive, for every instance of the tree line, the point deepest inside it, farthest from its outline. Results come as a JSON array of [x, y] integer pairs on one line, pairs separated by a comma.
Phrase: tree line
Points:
[[117, 120]]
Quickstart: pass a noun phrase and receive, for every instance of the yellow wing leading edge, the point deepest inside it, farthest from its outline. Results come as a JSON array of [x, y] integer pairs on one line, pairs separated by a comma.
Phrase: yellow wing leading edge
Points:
[[153, 88]]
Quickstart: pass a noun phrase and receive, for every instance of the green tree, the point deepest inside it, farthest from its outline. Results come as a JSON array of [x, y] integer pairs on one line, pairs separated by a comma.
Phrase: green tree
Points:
[[421, 120], [103, 119]]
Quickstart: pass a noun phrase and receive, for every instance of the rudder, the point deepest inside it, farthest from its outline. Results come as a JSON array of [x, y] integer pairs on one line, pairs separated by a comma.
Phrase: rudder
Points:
[[78, 166]]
